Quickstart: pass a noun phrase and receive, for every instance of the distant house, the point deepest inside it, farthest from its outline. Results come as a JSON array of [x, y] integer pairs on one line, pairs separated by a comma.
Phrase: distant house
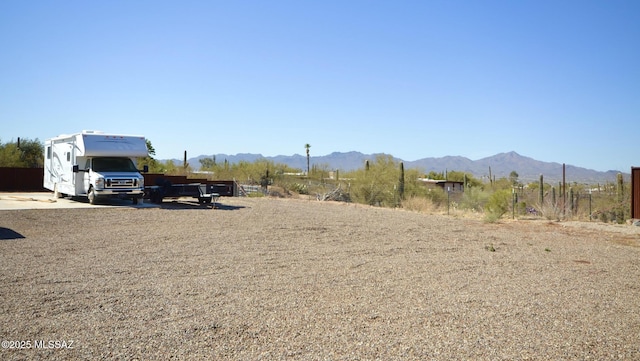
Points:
[[446, 185]]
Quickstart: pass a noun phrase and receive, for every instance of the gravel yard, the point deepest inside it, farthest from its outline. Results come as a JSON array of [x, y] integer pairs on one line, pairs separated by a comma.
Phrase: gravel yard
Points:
[[291, 279]]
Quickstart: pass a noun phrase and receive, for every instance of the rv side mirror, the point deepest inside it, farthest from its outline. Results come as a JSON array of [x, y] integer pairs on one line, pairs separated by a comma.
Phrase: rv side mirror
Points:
[[76, 169], [145, 169]]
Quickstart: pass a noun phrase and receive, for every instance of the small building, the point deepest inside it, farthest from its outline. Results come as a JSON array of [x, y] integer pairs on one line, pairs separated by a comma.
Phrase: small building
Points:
[[446, 185]]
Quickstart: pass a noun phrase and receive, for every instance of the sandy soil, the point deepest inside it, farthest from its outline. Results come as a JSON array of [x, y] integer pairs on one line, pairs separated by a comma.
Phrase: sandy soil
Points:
[[293, 279]]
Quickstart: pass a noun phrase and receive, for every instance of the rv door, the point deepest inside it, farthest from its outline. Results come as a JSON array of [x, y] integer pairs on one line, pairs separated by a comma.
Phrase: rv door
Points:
[[86, 176]]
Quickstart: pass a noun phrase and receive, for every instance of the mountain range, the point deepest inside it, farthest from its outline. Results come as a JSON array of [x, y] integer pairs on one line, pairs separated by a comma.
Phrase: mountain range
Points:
[[501, 164]]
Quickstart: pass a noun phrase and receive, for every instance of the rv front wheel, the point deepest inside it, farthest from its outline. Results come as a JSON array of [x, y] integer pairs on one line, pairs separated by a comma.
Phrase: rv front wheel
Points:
[[92, 196]]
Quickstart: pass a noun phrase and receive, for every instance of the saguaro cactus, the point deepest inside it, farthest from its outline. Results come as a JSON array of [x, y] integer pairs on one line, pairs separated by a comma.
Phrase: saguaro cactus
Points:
[[401, 182], [620, 188], [571, 202], [620, 198], [490, 179], [184, 161], [541, 191]]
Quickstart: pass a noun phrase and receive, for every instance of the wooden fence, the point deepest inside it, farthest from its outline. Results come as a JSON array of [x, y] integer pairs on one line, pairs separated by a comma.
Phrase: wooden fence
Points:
[[21, 179], [635, 192]]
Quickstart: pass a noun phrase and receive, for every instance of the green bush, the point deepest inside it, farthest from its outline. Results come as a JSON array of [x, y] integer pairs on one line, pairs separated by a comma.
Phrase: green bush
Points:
[[377, 185], [437, 196], [497, 205], [474, 199], [30, 154]]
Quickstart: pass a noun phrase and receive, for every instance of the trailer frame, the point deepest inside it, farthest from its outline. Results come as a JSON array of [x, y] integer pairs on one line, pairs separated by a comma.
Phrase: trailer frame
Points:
[[203, 192]]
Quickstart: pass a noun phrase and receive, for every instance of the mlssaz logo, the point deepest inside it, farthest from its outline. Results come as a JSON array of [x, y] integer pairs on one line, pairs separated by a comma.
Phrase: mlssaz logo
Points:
[[53, 344]]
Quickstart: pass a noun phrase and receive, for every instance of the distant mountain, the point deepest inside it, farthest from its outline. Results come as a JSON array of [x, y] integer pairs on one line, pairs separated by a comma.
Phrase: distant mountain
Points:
[[336, 160], [501, 164]]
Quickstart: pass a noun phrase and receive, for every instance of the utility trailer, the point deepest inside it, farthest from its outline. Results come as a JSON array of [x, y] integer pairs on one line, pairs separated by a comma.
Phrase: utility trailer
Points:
[[164, 189]]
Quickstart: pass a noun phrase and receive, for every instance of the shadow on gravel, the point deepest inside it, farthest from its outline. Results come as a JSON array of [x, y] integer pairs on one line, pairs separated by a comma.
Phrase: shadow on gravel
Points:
[[115, 202], [181, 205], [6, 234], [225, 207]]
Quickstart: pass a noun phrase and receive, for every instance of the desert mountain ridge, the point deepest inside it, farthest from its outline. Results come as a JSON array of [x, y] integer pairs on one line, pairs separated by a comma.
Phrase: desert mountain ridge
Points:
[[502, 164]]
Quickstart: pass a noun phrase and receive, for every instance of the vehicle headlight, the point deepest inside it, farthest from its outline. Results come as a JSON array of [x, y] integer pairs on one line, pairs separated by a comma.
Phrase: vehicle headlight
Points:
[[99, 183], [141, 182]]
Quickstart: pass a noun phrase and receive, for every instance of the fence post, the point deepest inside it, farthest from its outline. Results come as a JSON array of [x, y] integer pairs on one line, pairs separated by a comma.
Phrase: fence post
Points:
[[513, 203], [571, 202], [590, 204]]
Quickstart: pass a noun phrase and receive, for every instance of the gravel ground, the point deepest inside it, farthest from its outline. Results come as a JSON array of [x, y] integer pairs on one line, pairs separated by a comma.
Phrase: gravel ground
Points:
[[294, 279]]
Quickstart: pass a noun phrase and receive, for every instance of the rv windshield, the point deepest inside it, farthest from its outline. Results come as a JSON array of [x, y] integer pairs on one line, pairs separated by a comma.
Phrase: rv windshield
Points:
[[112, 164]]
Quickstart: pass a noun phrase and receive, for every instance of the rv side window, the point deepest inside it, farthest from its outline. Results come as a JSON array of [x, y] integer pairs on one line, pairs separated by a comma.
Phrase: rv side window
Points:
[[49, 152], [68, 156]]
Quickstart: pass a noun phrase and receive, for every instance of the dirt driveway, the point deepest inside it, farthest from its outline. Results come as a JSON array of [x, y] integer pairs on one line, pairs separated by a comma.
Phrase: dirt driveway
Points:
[[289, 279], [46, 200]]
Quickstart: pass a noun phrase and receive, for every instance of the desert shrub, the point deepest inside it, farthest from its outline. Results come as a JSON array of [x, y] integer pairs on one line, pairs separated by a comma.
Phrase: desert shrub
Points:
[[474, 199], [497, 205], [437, 196], [522, 208], [419, 204], [377, 184], [491, 217], [278, 192], [603, 217], [299, 188], [373, 194], [548, 210], [30, 154]]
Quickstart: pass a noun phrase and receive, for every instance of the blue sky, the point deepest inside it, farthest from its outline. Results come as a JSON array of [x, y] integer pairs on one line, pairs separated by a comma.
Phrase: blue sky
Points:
[[557, 81]]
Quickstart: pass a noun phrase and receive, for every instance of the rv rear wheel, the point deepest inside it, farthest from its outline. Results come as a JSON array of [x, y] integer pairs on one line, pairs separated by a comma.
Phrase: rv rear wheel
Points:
[[92, 196]]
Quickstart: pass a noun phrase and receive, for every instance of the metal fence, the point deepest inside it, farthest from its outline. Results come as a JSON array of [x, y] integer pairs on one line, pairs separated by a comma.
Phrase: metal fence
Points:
[[635, 192]]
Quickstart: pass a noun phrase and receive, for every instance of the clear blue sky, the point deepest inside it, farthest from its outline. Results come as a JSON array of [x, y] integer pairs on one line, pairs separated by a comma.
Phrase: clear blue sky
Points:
[[557, 81]]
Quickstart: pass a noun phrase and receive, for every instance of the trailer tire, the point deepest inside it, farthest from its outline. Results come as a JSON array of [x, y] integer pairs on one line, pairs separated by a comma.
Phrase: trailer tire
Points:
[[92, 196], [156, 198]]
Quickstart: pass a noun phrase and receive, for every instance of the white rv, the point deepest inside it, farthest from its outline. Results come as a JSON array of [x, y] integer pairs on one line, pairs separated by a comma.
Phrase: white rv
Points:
[[95, 165]]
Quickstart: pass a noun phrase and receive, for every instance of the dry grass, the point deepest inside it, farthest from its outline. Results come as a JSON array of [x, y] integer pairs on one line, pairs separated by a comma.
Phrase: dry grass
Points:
[[421, 204]]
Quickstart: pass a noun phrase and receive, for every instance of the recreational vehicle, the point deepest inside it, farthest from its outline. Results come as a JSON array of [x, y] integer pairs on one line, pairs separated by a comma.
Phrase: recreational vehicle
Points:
[[95, 165]]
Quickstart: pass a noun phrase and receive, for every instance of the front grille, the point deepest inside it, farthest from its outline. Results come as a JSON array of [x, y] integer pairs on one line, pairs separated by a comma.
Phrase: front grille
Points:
[[121, 183]]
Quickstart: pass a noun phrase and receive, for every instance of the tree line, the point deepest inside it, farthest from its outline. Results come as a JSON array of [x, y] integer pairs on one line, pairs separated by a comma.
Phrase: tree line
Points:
[[22, 153]]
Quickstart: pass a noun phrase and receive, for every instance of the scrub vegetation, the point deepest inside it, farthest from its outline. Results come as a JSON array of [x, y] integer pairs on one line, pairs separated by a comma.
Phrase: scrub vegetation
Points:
[[22, 153], [384, 182]]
